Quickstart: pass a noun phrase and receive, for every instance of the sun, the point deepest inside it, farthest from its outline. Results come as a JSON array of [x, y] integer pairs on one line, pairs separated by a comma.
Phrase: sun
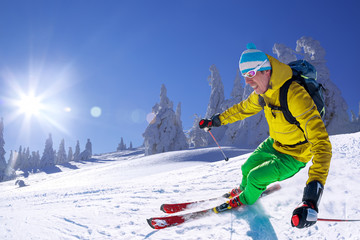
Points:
[[36, 109], [30, 105], [38, 101]]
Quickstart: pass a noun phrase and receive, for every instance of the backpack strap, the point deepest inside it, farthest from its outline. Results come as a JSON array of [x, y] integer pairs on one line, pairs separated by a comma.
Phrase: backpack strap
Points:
[[284, 103], [284, 108], [262, 102]]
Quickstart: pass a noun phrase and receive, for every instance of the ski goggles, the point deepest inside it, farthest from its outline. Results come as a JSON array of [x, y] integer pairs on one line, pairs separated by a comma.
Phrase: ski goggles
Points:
[[252, 73]]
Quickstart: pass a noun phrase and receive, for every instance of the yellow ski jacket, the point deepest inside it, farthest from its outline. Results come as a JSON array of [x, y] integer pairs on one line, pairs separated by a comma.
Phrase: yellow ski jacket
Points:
[[286, 135]]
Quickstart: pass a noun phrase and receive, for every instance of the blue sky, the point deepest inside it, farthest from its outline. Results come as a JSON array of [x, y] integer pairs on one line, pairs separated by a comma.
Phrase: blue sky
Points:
[[76, 54]]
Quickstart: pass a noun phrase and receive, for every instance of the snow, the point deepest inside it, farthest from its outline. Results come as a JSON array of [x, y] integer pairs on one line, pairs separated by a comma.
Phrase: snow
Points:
[[112, 195]]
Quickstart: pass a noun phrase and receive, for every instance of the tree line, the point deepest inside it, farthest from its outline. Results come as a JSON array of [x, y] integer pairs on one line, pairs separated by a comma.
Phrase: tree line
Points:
[[27, 161]]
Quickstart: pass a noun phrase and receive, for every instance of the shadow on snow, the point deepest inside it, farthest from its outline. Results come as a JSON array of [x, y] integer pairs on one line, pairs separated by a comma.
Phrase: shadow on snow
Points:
[[259, 223]]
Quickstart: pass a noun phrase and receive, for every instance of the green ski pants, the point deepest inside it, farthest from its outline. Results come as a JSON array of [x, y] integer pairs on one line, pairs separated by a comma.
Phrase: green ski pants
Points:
[[265, 166]]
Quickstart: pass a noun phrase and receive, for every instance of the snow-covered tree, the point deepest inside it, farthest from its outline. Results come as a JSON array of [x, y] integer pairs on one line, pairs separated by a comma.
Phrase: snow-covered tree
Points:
[[353, 116], [88, 147], [165, 132], [34, 160], [24, 156], [77, 152], [131, 146], [70, 155], [336, 108], [196, 136], [249, 132], [10, 172], [237, 93], [48, 157], [217, 93], [61, 157], [87, 153], [181, 141], [121, 146], [2, 151], [19, 160], [216, 102]]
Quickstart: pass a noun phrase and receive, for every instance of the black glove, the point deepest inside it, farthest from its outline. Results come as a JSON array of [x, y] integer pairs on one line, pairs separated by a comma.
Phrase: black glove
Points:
[[305, 215], [214, 121]]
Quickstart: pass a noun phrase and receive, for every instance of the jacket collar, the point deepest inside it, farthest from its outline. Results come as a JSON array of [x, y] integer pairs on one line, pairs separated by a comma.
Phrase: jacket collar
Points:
[[281, 72]]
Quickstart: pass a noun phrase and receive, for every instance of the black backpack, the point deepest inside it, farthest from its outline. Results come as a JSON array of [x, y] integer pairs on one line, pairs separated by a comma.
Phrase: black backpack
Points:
[[305, 74]]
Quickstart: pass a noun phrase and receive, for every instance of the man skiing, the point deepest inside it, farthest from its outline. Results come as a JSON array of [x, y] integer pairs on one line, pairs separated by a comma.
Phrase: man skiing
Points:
[[289, 147]]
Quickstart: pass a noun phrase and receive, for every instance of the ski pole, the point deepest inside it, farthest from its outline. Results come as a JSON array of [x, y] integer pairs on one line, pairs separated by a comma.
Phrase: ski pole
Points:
[[338, 220], [226, 158]]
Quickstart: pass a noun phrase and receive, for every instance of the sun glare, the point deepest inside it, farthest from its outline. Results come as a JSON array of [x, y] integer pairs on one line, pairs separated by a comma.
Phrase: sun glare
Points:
[[30, 105], [38, 110]]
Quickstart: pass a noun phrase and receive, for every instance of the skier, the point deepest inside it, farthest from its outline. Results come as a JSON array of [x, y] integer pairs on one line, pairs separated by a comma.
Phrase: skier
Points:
[[289, 147]]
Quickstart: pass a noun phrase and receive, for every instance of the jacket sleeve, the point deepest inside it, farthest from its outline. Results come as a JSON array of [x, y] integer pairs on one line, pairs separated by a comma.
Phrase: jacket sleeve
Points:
[[242, 110], [304, 109]]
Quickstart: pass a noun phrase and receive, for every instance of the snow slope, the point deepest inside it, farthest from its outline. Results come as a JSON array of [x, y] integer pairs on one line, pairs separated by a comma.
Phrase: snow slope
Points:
[[111, 196]]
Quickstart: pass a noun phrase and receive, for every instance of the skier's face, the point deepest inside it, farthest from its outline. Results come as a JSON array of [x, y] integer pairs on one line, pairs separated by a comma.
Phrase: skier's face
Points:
[[260, 83]]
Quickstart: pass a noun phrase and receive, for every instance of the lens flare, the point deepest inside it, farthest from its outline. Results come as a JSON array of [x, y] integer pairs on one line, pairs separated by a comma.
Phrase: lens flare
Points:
[[150, 118], [95, 112]]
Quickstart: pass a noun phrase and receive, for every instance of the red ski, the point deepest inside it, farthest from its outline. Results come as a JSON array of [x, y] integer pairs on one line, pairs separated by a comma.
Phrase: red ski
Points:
[[178, 207], [169, 221]]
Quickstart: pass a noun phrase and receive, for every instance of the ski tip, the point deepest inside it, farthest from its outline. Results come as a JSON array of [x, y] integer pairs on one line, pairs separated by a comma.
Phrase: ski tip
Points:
[[149, 221], [162, 208]]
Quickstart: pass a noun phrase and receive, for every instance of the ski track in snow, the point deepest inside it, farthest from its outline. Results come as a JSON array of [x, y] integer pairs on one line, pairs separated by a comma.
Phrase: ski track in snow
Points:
[[111, 196]]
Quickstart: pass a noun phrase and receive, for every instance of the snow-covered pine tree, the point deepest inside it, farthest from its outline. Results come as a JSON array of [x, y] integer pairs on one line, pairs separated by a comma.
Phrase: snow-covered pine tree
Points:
[[61, 157], [353, 116], [121, 145], [217, 93], [181, 141], [10, 172], [196, 136], [88, 147], [164, 133], [25, 160], [48, 157], [249, 132], [215, 102], [34, 160], [19, 160], [237, 95], [336, 107], [77, 152], [2, 151], [70, 156], [87, 153]]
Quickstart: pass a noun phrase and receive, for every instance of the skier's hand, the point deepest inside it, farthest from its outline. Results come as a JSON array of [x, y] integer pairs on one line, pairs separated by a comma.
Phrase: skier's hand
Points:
[[305, 215], [208, 123], [205, 124]]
